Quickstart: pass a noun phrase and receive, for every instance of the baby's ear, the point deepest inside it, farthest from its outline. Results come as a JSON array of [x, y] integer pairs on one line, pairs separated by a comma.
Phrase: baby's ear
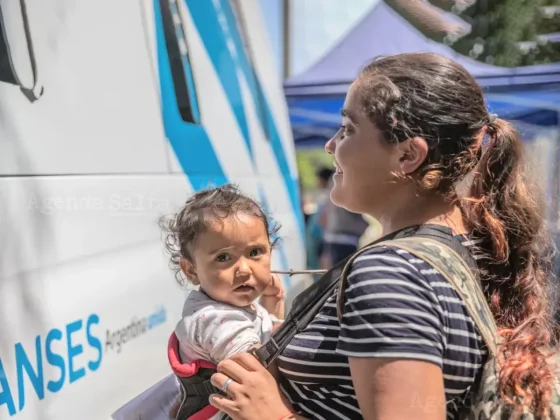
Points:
[[189, 270]]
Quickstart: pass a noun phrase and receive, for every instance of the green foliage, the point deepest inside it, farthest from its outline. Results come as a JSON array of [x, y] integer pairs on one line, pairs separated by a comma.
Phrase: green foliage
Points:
[[506, 32]]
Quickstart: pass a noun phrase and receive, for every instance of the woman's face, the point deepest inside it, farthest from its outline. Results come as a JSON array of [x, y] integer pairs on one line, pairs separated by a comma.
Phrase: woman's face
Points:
[[363, 160]]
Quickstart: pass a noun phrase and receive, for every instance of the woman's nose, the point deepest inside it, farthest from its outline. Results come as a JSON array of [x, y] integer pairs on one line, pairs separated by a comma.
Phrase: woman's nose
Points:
[[330, 146]]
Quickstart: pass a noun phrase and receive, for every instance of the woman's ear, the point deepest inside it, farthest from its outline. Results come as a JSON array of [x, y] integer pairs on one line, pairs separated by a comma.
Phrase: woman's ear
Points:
[[189, 270], [413, 153]]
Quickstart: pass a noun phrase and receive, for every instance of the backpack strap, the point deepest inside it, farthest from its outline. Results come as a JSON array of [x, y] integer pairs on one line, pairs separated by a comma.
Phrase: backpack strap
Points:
[[457, 272], [344, 277]]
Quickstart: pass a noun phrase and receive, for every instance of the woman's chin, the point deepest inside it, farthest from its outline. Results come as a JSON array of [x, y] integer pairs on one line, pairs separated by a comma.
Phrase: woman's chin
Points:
[[337, 195], [340, 197]]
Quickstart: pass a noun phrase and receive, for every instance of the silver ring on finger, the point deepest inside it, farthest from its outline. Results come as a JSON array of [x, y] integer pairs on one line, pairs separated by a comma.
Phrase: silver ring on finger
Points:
[[226, 384]]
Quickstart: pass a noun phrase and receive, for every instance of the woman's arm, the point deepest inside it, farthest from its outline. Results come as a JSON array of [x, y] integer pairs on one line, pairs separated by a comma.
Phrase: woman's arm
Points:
[[392, 333], [393, 389]]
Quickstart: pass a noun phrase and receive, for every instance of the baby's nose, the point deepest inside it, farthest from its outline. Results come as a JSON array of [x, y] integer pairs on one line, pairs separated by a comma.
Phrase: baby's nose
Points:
[[243, 267]]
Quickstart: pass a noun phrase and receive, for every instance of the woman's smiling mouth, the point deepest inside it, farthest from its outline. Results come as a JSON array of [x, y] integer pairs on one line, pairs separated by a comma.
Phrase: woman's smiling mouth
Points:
[[337, 169]]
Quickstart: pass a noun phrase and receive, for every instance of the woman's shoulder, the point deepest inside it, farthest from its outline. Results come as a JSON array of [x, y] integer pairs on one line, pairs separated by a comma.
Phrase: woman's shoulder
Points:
[[397, 304], [388, 264], [388, 276]]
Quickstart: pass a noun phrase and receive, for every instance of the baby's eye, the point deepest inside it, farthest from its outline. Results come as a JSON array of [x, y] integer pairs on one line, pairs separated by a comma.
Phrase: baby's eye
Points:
[[223, 257], [256, 252]]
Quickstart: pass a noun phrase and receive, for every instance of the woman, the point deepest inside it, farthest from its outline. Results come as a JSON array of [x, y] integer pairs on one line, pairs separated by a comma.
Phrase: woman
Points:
[[416, 146]]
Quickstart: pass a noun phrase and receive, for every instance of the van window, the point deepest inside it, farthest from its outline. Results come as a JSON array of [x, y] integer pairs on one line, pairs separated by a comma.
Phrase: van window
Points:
[[6, 71], [179, 61], [17, 57]]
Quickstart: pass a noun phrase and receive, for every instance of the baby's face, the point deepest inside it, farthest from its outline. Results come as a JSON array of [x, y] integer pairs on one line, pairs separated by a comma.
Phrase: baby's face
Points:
[[231, 261]]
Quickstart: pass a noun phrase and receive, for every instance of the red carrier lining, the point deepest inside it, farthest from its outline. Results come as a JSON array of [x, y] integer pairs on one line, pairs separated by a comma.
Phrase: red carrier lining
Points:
[[187, 370], [183, 369]]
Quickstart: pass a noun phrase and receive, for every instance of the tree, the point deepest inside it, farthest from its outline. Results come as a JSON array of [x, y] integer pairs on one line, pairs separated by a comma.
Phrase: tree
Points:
[[507, 33], [502, 32], [428, 19]]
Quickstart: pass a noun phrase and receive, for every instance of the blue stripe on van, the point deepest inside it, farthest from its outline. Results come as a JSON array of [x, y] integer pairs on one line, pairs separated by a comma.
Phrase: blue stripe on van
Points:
[[286, 279], [226, 14], [210, 30], [190, 142], [268, 124]]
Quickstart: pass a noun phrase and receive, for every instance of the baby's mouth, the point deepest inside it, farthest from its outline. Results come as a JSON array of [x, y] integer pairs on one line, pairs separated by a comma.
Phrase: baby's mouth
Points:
[[244, 288]]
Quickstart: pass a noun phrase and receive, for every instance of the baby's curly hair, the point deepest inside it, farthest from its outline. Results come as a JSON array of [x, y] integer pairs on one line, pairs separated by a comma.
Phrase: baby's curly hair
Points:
[[183, 229]]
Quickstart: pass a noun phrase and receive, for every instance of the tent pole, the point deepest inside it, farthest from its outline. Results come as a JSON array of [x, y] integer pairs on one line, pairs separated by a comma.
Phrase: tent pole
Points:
[[286, 32]]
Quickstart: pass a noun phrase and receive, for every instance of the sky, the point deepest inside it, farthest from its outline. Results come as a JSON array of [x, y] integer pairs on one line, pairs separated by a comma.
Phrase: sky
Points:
[[316, 27]]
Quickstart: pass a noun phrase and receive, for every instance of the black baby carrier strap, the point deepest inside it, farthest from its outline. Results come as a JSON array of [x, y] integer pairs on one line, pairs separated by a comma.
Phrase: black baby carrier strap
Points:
[[308, 303]]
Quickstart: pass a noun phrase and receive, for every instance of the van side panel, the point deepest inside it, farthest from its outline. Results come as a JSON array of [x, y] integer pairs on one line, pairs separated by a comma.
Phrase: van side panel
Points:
[[86, 171]]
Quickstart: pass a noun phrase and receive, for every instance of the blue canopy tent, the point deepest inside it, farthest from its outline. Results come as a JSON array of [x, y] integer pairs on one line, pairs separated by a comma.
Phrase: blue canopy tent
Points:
[[530, 94]]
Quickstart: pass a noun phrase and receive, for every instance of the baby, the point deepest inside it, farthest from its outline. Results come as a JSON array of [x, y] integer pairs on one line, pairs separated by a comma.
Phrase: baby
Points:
[[220, 241]]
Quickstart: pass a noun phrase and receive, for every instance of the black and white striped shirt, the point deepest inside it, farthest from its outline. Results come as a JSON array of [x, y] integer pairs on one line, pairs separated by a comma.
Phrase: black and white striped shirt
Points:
[[397, 306]]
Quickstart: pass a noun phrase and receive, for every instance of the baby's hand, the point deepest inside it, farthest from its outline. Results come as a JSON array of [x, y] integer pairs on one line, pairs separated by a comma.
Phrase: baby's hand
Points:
[[274, 288]]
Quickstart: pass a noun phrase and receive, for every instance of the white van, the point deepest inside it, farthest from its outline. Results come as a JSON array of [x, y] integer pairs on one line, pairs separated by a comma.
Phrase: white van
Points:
[[111, 113]]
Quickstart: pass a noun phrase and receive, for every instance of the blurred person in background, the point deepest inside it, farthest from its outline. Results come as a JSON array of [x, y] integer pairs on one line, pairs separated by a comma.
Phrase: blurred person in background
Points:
[[316, 222], [342, 232]]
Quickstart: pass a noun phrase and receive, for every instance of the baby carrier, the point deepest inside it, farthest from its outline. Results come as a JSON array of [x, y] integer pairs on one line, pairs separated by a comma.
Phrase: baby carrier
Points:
[[194, 381]]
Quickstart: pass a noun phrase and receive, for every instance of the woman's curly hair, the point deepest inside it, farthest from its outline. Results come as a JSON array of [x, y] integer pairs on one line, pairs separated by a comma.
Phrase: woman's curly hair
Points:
[[432, 97], [200, 211]]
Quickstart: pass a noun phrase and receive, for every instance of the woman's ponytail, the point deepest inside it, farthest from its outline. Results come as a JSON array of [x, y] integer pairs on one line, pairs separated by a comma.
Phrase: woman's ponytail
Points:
[[508, 218]]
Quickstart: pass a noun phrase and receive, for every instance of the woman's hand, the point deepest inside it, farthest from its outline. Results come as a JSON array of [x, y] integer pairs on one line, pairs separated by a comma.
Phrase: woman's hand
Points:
[[252, 393]]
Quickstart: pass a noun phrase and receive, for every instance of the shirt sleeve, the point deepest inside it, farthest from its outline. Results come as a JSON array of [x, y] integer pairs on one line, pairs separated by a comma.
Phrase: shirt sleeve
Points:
[[225, 332], [217, 332], [390, 310]]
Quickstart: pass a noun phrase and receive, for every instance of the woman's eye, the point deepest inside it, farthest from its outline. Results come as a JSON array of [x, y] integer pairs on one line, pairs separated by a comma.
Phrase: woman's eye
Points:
[[344, 130], [222, 258]]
